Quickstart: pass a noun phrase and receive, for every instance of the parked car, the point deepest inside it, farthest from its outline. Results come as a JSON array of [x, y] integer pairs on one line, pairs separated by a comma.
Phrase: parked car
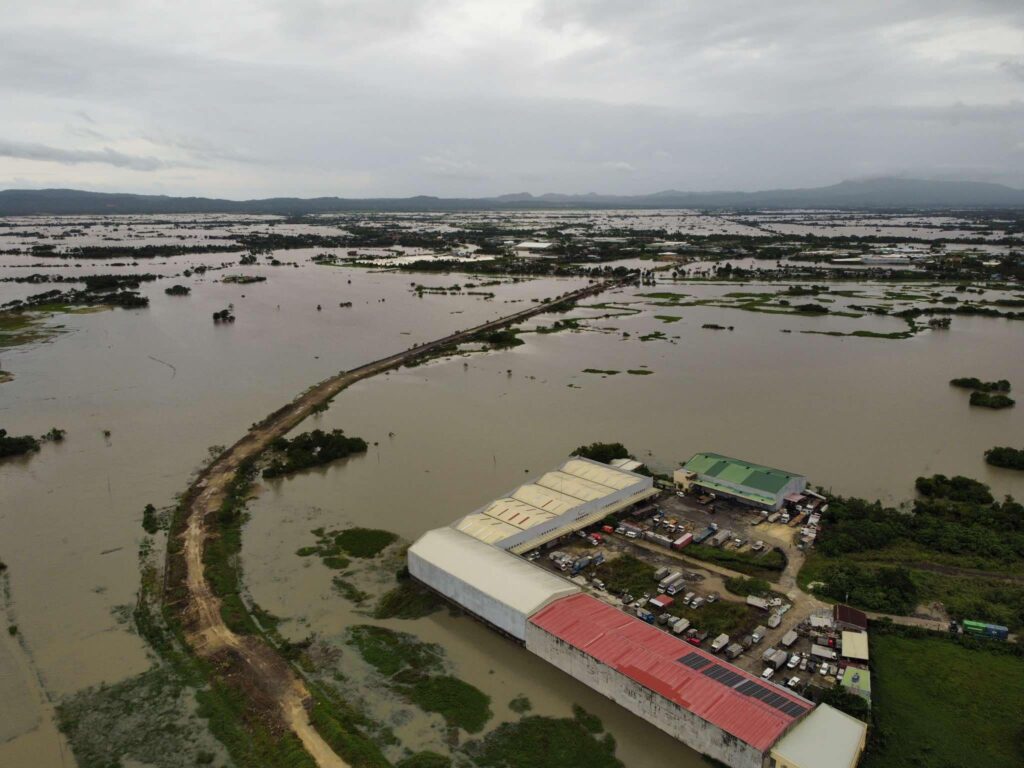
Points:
[[768, 674]]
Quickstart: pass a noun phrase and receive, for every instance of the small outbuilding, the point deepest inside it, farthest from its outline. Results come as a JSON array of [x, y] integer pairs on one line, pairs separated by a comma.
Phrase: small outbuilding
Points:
[[846, 617], [855, 646], [826, 738], [857, 681]]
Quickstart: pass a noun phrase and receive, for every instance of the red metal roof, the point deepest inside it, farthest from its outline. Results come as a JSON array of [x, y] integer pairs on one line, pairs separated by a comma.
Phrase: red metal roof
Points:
[[848, 615], [652, 658]]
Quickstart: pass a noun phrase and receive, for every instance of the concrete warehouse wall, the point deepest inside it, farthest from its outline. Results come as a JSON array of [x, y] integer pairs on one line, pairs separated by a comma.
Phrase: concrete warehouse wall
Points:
[[483, 605], [655, 709], [796, 485]]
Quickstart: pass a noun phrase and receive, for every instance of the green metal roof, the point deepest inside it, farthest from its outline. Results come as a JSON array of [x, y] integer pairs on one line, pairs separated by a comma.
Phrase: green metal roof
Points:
[[863, 682], [713, 466], [760, 498]]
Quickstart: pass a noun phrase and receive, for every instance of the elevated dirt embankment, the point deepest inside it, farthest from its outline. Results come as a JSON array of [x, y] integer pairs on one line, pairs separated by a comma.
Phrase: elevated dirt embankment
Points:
[[276, 694]]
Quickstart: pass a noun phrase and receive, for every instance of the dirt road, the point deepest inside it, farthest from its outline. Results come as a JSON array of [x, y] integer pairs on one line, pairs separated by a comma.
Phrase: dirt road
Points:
[[274, 689]]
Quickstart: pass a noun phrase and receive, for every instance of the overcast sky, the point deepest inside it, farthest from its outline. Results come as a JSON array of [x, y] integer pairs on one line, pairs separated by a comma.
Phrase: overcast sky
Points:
[[384, 98]]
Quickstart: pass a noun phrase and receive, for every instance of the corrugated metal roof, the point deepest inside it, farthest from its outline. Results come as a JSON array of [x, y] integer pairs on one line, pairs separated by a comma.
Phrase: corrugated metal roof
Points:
[[557, 493], [848, 615], [855, 645], [652, 658], [599, 473], [752, 476], [827, 738], [507, 578]]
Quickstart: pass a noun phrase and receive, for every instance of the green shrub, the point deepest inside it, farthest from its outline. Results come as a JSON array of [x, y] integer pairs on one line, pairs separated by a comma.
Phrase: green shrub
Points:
[[520, 705], [364, 542], [459, 703], [543, 742]]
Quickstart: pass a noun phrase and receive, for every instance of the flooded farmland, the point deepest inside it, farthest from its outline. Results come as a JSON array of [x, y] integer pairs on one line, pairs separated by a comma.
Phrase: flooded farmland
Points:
[[144, 393]]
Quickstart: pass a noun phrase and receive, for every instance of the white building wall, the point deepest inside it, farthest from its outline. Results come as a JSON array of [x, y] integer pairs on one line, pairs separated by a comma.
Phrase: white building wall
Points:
[[491, 610], [655, 709]]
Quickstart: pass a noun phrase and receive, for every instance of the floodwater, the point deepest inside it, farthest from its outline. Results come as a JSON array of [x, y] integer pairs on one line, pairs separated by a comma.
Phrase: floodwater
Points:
[[857, 415], [862, 416], [168, 384]]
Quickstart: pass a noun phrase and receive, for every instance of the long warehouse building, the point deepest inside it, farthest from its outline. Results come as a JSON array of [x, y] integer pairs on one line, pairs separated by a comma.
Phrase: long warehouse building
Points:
[[715, 707], [579, 493], [501, 589]]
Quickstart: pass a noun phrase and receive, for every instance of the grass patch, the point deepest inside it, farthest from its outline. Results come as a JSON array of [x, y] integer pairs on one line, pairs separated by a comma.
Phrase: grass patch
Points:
[[425, 759], [349, 591], [520, 705], [627, 574], [653, 336], [459, 703], [391, 652], [364, 542], [144, 718], [765, 565], [938, 703], [543, 742], [416, 671], [734, 619], [409, 600]]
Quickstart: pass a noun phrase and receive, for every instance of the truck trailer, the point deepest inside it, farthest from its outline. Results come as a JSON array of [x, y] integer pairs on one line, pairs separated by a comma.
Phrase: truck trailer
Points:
[[981, 629]]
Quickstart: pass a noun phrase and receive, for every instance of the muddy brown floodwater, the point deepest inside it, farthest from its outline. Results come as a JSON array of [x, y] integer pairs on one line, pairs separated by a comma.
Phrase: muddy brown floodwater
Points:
[[857, 415]]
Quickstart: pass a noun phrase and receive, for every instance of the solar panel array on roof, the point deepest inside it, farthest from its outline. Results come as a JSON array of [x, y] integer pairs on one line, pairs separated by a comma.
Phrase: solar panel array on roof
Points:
[[731, 677], [694, 660], [719, 693]]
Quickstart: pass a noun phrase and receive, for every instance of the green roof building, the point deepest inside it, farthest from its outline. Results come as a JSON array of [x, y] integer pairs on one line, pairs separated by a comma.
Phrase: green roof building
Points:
[[747, 483], [858, 681]]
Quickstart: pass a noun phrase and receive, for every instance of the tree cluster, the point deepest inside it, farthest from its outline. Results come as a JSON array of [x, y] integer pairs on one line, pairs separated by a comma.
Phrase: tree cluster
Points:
[[311, 449]]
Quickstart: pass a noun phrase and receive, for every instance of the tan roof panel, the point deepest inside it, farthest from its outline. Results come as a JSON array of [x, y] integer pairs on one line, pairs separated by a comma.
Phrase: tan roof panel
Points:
[[599, 473], [546, 499], [573, 485]]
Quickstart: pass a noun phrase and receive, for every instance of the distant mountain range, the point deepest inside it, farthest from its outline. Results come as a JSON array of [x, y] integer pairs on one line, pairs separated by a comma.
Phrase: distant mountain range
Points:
[[881, 193]]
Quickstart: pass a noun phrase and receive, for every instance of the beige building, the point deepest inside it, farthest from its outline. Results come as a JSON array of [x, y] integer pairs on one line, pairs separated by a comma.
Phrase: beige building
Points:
[[826, 738]]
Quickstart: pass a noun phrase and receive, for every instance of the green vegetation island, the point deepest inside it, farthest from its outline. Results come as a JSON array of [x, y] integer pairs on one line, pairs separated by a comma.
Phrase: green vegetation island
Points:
[[995, 402], [1008, 458], [981, 386], [311, 449]]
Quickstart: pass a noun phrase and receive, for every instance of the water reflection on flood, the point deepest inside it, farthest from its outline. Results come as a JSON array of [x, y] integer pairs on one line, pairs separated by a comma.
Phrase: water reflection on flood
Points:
[[863, 416]]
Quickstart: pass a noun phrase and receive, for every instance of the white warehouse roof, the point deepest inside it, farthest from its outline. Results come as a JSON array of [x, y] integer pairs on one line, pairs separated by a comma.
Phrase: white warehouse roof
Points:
[[556, 503], [826, 738], [499, 587]]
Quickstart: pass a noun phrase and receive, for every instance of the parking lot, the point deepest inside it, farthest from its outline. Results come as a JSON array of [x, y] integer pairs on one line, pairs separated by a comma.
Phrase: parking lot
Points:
[[619, 564]]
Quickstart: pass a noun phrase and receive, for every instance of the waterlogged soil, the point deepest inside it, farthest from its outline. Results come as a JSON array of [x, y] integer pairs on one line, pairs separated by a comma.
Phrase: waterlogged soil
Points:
[[858, 415], [167, 383], [862, 416]]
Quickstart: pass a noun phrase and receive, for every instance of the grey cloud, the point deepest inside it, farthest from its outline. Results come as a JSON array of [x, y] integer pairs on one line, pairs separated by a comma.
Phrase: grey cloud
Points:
[[453, 97], [107, 156]]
